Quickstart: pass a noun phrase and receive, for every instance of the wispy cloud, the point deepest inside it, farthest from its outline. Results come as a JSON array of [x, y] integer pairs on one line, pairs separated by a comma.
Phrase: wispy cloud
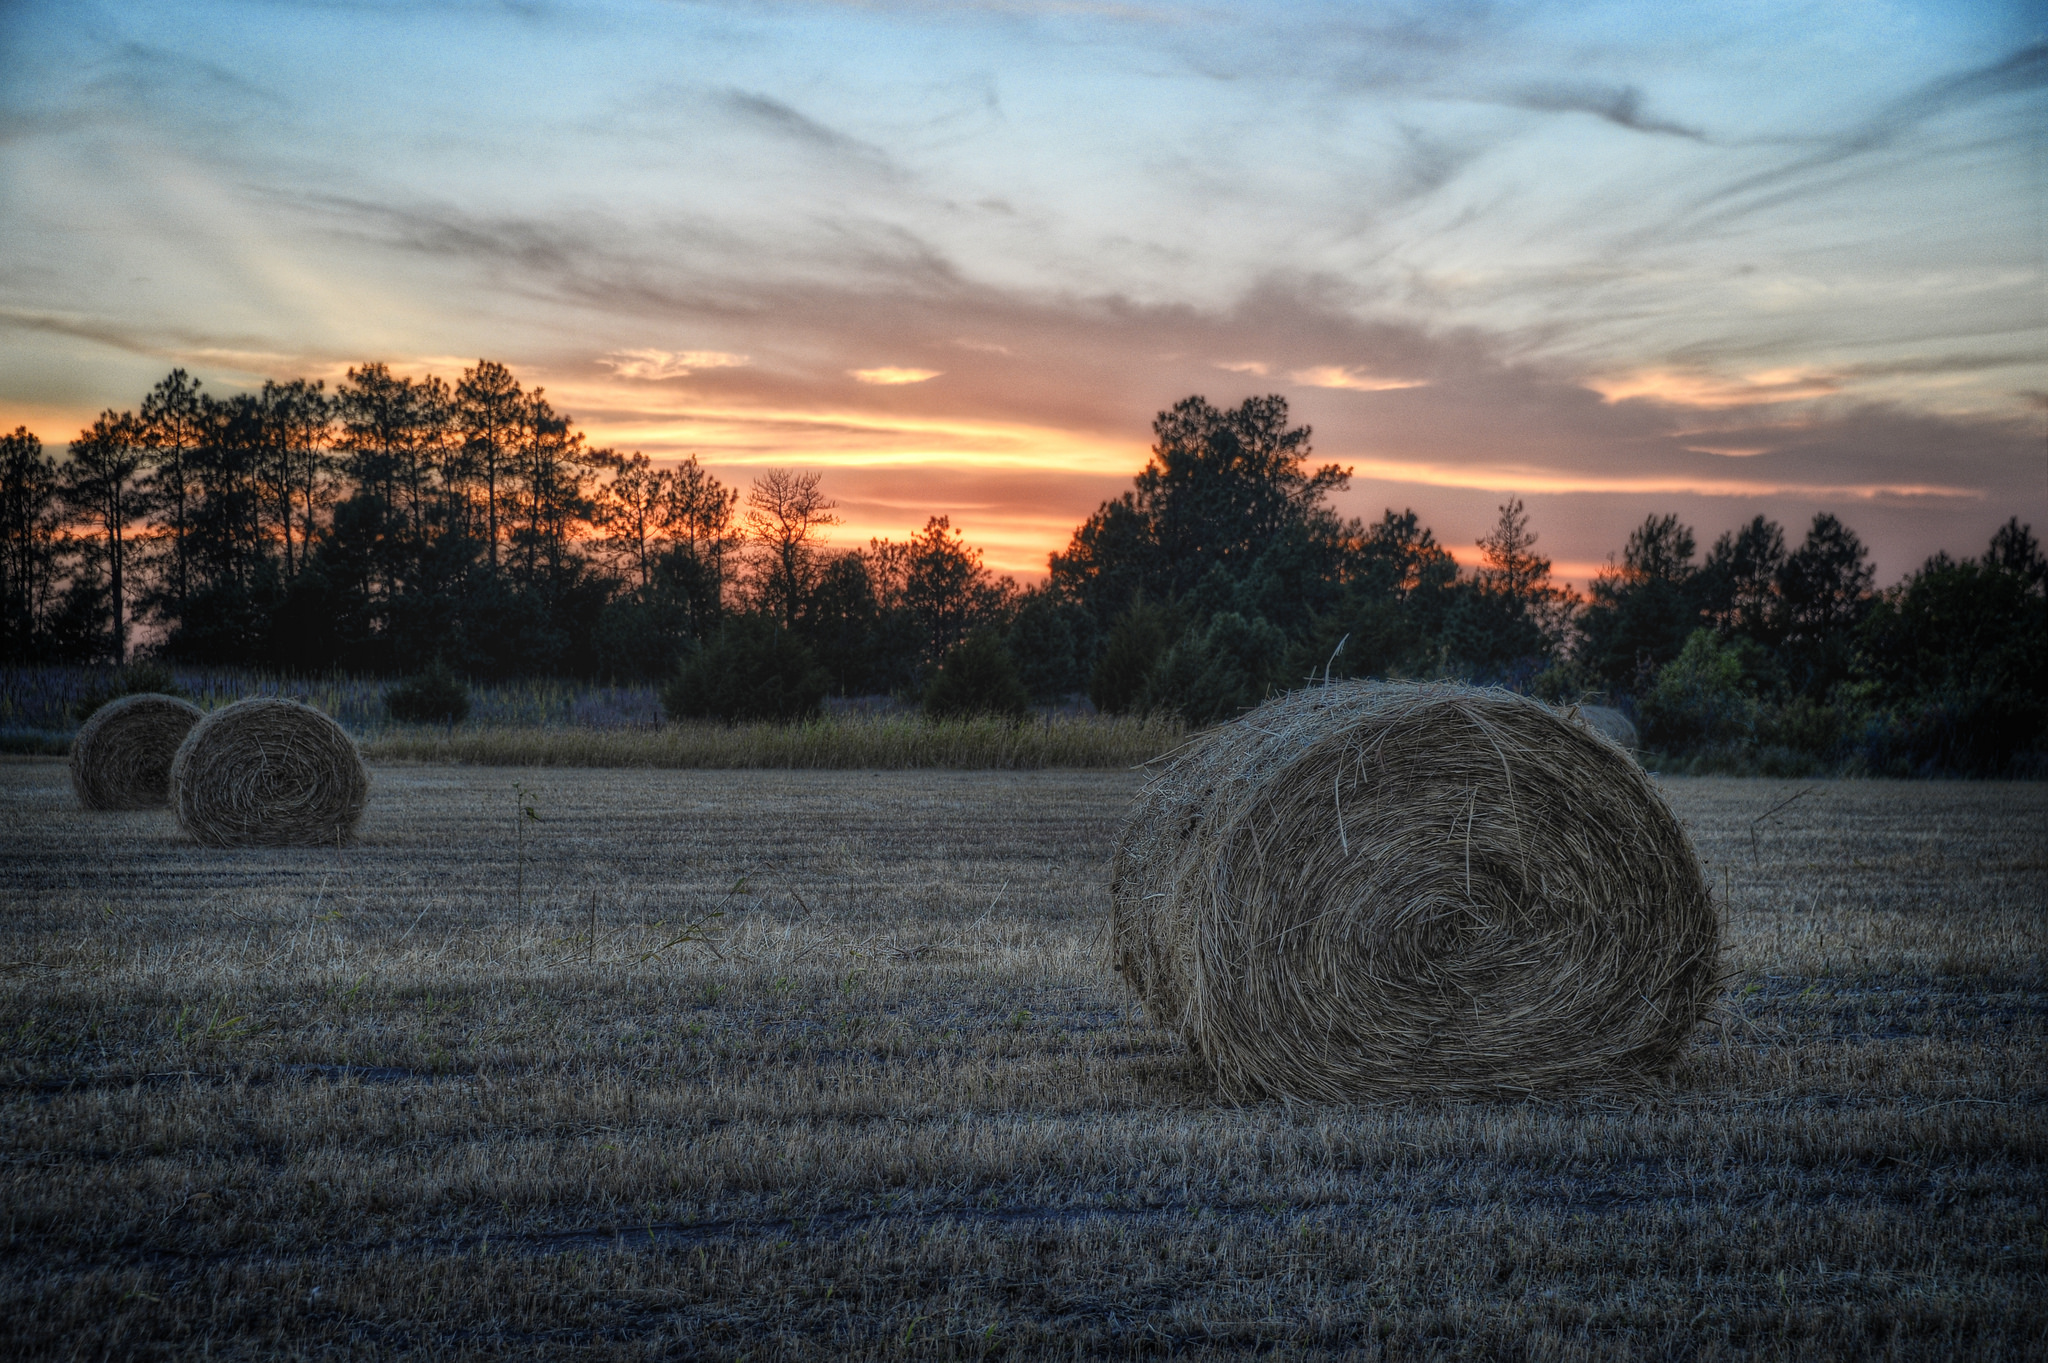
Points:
[[1682, 388], [2023, 70], [1513, 223], [668, 364], [1528, 478], [243, 354], [1351, 377], [892, 376], [773, 116], [1621, 105]]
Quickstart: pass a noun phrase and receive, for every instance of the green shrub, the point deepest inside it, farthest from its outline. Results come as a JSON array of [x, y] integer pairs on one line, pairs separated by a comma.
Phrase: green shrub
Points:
[[977, 677], [1219, 672], [1702, 697], [1567, 682], [1975, 732], [1136, 643], [752, 669], [1044, 642], [435, 697], [1821, 729]]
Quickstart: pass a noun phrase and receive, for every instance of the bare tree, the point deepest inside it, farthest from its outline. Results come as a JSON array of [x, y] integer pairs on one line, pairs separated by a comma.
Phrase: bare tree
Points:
[[785, 512]]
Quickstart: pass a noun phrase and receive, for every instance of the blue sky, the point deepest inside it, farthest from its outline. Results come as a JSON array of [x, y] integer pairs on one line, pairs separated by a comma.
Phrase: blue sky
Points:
[[1717, 259]]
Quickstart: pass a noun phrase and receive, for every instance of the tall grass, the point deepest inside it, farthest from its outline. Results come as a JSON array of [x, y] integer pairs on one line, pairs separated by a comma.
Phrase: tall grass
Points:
[[546, 722], [44, 700], [884, 742]]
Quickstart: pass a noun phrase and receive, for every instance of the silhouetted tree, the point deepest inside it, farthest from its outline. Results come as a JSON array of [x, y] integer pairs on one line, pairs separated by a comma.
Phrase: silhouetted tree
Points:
[[494, 418], [548, 495], [30, 522], [1644, 608], [1221, 488], [296, 464], [396, 443], [174, 429], [1738, 584], [1823, 592], [230, 576], [99, 485], [1958, 656], [1046, 639], [945, 588], [1510, 616], [1389, 621], [785, 513]]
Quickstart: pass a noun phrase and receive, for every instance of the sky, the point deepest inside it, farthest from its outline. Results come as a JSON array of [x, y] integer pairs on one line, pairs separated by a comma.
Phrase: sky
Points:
[[1715, 259]]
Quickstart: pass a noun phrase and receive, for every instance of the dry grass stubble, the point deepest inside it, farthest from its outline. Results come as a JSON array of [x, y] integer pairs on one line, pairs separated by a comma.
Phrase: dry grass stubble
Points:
[[888, 1104]]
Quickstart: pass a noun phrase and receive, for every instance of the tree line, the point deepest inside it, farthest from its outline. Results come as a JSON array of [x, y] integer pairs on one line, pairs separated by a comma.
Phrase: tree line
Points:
[[413, 526]]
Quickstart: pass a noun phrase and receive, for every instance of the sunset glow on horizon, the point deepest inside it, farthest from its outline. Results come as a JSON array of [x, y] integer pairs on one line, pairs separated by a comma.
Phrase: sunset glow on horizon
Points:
[[1614, 260]]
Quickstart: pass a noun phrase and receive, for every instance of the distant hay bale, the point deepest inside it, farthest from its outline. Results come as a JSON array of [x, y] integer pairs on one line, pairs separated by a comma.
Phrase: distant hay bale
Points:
[[1608, 722], [266, 772], [121, 757], [1367, 889]]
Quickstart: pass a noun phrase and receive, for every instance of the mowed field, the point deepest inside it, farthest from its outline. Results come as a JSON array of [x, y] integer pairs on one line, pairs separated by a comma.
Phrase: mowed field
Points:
[[826, 1064]]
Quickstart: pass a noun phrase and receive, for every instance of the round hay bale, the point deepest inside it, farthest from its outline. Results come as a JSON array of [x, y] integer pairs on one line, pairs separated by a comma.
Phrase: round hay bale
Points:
[[1369, 889], [1609, 723], [121, 758], [267, 772]]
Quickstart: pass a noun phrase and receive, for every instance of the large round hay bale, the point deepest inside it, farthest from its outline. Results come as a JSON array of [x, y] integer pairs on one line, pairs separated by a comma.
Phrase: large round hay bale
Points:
[[267, 772], [1367, 889], [121, 757], [1608, 722]]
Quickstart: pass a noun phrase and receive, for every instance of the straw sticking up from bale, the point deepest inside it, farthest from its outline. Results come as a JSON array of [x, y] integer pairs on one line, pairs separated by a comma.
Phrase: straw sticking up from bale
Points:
[[266, 772], [121, 758], [1367, 889]]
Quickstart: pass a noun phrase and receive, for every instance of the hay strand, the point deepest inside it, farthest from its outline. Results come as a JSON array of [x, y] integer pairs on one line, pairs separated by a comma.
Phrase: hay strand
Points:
[[121, 756], [1370, 889], [267, 772]]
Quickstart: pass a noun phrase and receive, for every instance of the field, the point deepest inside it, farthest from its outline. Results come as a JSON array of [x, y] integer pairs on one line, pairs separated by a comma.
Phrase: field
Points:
[[825, 1064]]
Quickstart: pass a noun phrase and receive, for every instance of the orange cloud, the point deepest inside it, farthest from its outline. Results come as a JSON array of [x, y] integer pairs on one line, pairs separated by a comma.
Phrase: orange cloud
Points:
[[1351, 377], [668, 364], [51, 423], [1529, 479], [739, 434], [1687, 388], [892, 376]]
